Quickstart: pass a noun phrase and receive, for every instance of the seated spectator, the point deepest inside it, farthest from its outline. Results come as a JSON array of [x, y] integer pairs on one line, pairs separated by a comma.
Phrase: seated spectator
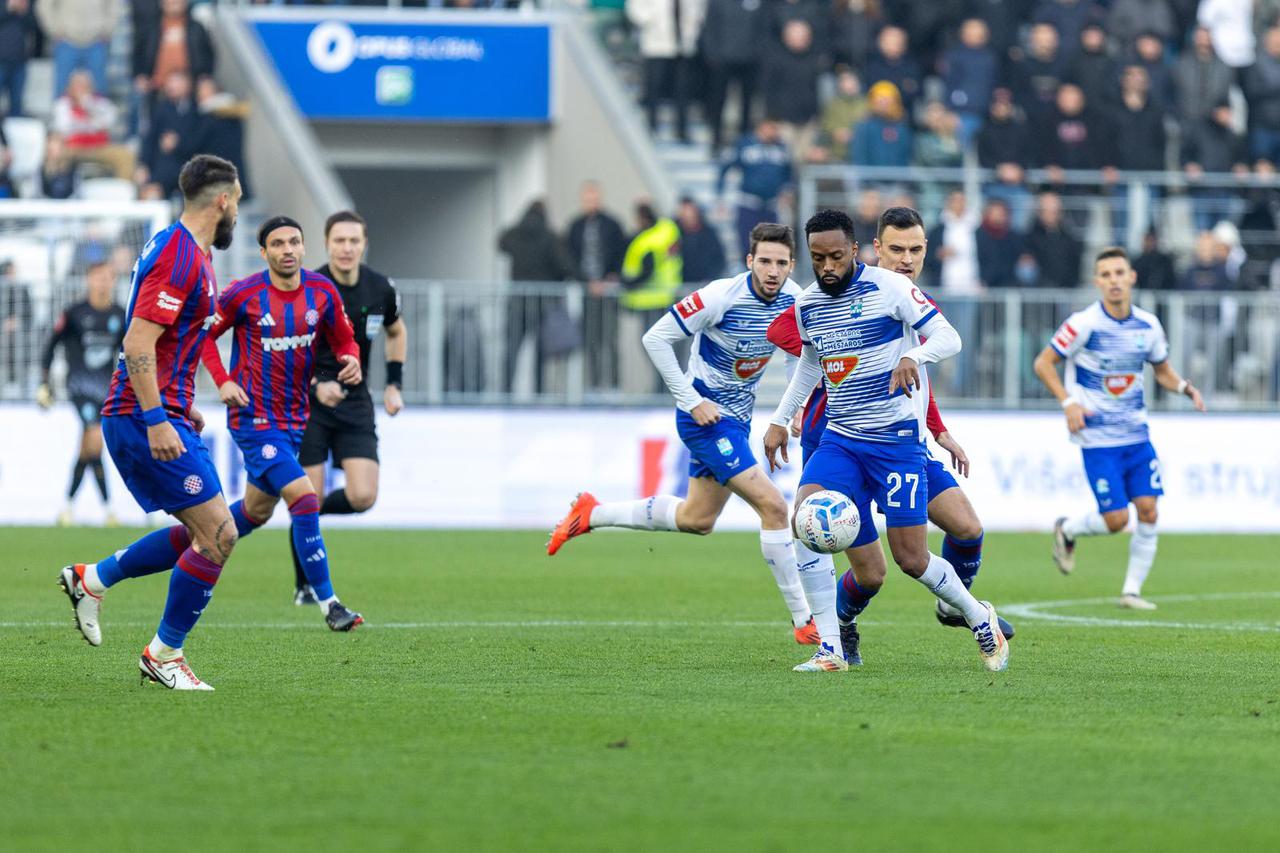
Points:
[[1004, 146], [789, 80], [1154, 267], [1200, 79], [17, 31], [1230, 24], [173, 135], [1055, 250], [883, 138], [58, 177], [998, 246], [1036, 77], [84, 120], [80, 31], [701, 251], [1093, 69], [969, 74], [939, 145], [1212, 145], [845, 109], [1148, 51], [1262, 89], [892, 62], [1130, 18], [221, 130]]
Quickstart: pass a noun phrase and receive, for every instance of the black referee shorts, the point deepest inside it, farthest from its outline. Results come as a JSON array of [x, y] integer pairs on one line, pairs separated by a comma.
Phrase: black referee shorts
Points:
[[89, 409], [326, 434]]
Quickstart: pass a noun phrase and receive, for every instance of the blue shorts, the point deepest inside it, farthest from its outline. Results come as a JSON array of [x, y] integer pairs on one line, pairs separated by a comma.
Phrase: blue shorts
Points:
[[937, 478], [1117, 475], [867, 532], [891, 474], [171, 486], [270, 457], [721, 450]]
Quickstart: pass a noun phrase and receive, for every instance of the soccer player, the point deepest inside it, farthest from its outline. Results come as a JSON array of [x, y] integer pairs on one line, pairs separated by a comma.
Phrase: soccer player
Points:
[[860, 329], [728, 320], [278, 316], [341, 422], [90, 333], [1106, 346], [900, 245], [152, 429]]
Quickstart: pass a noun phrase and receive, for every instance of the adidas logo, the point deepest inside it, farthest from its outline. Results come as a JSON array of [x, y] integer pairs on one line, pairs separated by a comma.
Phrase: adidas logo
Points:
[[316, 557], [266, 320]]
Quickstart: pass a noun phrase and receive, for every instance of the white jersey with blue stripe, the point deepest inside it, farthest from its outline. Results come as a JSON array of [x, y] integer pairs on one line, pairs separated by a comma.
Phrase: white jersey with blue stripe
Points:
[[1105, 360], [729, 322], [859, 337]]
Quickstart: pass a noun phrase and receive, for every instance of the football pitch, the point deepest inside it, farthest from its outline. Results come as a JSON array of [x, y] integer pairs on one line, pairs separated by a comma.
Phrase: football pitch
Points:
[[635, 693]]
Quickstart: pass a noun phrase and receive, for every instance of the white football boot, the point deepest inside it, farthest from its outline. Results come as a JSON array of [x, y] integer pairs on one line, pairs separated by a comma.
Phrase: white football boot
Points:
[[824, 660], [173, 674], [1132, 601], [84, 604], [1064, 549], [991, 642]]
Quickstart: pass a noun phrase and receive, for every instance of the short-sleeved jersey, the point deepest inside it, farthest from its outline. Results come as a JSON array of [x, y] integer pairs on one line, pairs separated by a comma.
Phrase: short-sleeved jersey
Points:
[[90, 339], [173, 285], [273, 351], [860, 336], [1105, 360], [729, 322], [372, 304]]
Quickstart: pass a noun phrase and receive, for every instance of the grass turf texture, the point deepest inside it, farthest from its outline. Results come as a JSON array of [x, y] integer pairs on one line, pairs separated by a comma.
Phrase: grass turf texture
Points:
[[653, 721]]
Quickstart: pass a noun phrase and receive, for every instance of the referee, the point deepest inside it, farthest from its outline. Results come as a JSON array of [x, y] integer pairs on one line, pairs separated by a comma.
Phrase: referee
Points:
[[341, 421]]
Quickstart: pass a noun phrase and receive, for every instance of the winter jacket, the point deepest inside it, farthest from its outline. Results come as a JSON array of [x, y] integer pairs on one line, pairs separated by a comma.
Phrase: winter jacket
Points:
[[15, 36], [535, 250], [1003, 142], [1262, 89], [80, 22], [969, 76], [732, 31], [905, 74], [877, 142], [997, 256], [789, 82], [1139, 137], [656, 22], [765, 168], [170, 117], [1131, 18], [1200, 85], [201, 58], [701, 254], [613, 245], [1057, 255], [1214, 147], [1097, 75], [1081, 141]]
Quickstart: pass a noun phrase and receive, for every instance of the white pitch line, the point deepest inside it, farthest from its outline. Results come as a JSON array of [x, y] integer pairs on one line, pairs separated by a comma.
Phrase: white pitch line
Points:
[[1032, 611], [531, 623]]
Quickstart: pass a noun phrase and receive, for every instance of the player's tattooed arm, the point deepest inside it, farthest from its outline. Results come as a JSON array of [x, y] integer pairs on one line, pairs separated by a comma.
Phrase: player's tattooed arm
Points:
[[139, 364]]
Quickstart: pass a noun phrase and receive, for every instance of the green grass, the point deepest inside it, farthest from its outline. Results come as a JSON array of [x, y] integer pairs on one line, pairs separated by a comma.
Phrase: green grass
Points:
[[667, 717]]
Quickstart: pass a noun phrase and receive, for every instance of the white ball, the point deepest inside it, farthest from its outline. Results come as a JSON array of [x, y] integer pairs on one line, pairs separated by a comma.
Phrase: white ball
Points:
[[827, 522]]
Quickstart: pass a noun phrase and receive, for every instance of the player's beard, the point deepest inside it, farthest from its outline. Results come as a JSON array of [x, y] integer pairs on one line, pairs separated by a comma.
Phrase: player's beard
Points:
[[837, 288], [223, 232]]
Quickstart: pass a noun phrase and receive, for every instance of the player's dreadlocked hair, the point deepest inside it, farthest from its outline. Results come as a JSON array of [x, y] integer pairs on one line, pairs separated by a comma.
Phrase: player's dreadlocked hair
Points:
[[830, 220], [900, 218]]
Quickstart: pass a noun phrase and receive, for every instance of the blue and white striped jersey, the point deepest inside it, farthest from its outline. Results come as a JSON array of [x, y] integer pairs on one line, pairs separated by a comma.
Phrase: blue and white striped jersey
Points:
[[859, 338], [1105, 360], [730, 323]]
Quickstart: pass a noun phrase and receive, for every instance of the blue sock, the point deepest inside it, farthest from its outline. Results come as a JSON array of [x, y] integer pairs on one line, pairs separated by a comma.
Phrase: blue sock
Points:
[[155, 552], [244, 524], [851, 599], [190, 588], [965, 555], [309, 545]]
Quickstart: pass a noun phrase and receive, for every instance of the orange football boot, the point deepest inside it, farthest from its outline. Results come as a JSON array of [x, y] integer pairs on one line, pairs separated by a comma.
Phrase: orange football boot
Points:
[[807, 634], [576, 523]]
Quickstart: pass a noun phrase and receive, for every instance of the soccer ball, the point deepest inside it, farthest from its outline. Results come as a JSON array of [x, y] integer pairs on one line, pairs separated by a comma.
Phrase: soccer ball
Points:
[[827, 522]]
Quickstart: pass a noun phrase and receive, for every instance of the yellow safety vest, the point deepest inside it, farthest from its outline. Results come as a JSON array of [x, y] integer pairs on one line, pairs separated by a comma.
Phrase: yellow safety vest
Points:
[[660, 290]]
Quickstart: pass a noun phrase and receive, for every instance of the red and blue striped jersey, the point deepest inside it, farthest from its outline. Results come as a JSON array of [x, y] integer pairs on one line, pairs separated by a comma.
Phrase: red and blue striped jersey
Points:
[[273, 350], [173, 285]]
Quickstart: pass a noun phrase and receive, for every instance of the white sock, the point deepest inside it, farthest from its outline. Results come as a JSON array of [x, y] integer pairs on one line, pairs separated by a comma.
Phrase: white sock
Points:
[[92, 581], [818, 579], [327, 603], [655, 513], [161, 652], [941, 579], [1089, 524], [780, 556], [1142, 553]]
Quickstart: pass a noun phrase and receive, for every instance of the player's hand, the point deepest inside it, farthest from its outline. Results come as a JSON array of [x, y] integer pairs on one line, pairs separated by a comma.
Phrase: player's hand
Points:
[[197, 419], [330, 393], [797, 424], [775, 440], [44, 396], [350, 372], [705, 413], [959, 460], [232, 395], [165, 443], [392, 401], [1196, 400], [1075, 417], [905, 376]]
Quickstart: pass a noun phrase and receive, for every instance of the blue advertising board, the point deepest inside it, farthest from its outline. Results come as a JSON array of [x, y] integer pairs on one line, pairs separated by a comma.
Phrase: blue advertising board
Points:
[[407, 71]]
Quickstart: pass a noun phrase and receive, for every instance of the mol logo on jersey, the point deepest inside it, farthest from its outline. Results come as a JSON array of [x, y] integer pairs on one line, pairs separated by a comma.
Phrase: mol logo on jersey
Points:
[[1118, 383], [287, 343], [838, 367], [745, 368]]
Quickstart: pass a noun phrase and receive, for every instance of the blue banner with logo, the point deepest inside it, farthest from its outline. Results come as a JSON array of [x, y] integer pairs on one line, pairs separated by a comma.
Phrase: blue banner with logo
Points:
[[413, 71]]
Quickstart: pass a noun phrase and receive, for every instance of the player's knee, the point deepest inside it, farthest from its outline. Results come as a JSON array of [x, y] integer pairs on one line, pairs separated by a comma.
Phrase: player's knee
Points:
[[968, 529], [775, 515], [1116, 521], [698, 526], [361, 499], [1147, 514]]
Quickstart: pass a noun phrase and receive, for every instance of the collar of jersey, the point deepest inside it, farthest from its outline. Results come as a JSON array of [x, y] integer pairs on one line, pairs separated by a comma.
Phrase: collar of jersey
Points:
[[1107, 313]]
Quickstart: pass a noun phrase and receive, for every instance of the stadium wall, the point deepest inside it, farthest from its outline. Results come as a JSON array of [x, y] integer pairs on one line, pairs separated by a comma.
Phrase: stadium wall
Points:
[[490, 468]]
